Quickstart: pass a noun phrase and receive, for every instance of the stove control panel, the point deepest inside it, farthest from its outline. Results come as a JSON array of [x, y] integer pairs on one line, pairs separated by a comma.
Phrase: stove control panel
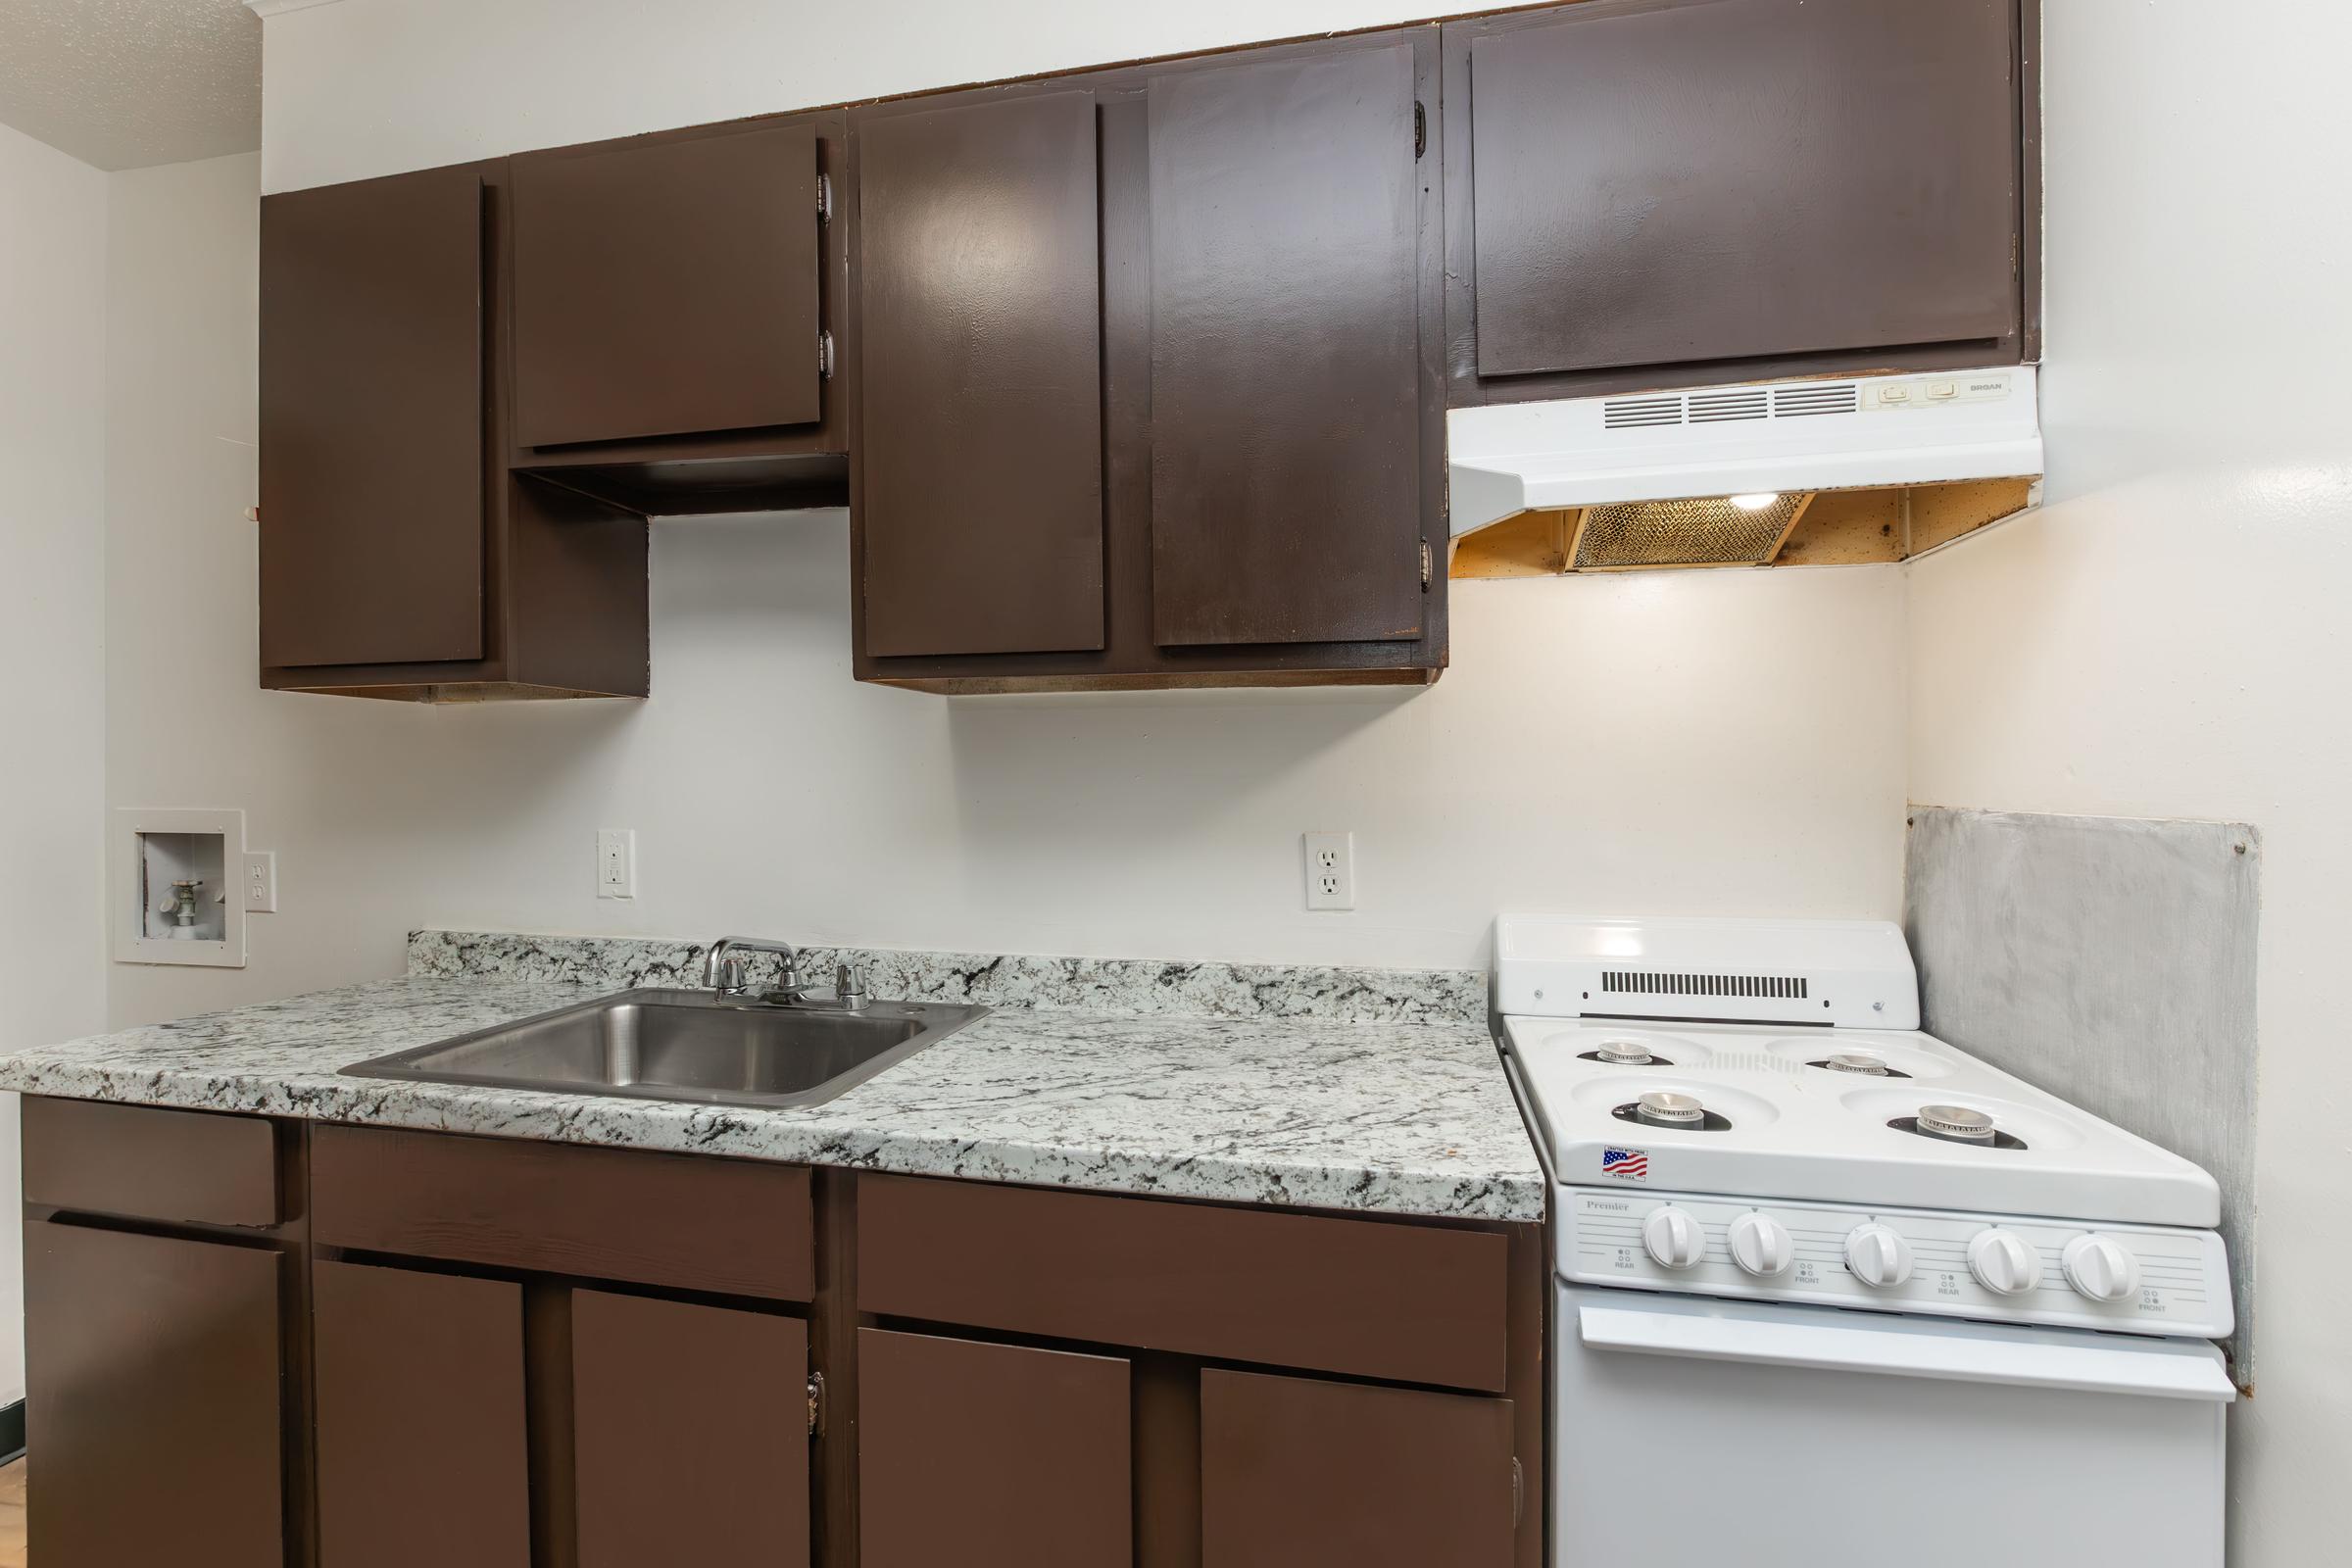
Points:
[[2134, 1279]]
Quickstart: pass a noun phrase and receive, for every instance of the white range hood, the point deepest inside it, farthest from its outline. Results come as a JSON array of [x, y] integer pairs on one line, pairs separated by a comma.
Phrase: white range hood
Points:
[[1752, 439]]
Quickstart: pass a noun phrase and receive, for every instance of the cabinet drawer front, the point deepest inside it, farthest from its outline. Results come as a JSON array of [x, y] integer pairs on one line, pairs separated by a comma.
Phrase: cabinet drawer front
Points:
[[423, 1456], [1414, 1302], [1297, 1473], [735, 1227], [989, 1455], [689, 1433], [154, 1371], [193, 1167], [666, 287]]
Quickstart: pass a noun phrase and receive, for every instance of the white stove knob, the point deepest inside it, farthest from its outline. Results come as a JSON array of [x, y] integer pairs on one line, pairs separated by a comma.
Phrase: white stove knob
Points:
[[1760, 1245], [1879, 1256], [2101, 1268], [2003, 1261], [1672, 1237]]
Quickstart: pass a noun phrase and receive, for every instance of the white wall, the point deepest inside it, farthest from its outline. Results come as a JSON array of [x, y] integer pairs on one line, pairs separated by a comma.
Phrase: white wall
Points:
[[1696, 740], [1690, 741], [2168, 637], [52, 633], [376, 86]]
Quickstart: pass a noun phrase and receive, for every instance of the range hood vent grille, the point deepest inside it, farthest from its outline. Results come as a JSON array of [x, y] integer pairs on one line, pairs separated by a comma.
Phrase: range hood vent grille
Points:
[[1634, 414], [1819, 397], [1718, 405]]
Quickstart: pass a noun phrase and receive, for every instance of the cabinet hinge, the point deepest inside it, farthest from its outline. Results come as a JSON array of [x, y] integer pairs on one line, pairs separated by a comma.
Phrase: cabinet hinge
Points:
[[1518, 1492], [816, 1403], [824, 355], [824, 198], [1428, 564], [1420, 128]]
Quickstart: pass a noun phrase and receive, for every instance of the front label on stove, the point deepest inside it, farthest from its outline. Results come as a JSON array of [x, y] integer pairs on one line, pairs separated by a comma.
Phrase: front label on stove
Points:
[[1626, 1164]]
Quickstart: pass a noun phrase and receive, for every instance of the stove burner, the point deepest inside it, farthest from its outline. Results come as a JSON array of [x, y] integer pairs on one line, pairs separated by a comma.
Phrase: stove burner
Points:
[[1624, 1053], [1669, 1109], [1664, 1108], [1860, 1064], [1956, 1124]]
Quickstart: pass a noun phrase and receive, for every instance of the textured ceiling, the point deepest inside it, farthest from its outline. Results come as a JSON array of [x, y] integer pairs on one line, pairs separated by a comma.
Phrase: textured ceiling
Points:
[[124, 84]]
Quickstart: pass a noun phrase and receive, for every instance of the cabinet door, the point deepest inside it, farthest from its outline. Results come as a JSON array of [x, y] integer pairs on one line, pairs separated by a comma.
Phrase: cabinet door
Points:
[[690, 1434], [154, 1399], [989, 1455], [421, 1438], [980, 324], [1655, 186], [371, 421], [666, 287], [1297, 1473], [1285, 372]]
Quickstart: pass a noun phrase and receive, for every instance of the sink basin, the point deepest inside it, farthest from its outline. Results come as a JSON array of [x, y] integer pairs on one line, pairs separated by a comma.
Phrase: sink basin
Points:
[[685, 1044]]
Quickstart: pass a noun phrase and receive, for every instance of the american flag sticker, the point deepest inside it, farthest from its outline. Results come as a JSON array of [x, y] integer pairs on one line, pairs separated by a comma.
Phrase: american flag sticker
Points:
[[1633, 1164]]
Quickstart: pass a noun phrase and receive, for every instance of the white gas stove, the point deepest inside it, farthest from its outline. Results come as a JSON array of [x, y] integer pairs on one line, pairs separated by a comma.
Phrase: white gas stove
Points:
[[1843, 1257]]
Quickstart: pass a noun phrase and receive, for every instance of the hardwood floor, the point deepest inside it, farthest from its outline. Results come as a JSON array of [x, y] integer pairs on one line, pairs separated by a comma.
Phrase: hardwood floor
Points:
[[11, 1515]]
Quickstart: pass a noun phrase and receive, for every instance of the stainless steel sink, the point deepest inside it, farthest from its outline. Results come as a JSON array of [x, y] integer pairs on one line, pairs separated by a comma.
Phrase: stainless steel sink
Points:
[[685, 1044]]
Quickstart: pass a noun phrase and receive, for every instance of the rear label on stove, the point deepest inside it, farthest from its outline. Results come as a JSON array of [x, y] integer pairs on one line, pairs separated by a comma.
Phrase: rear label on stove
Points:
[[1626, 1164]]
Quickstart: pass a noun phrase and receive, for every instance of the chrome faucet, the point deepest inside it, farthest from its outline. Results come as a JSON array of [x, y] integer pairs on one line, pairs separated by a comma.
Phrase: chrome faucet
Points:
[[723, 972]]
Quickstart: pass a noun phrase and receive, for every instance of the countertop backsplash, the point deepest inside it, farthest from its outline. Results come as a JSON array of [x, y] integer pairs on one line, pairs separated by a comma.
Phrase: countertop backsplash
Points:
[[1154, 987]]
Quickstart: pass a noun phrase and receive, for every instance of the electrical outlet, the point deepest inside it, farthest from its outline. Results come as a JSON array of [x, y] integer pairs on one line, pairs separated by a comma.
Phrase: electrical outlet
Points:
[[260, 881], [615, 862], [1330, 870]]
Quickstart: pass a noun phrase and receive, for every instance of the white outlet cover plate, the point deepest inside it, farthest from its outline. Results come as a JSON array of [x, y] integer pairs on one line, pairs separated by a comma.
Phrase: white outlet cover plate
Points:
[[1330, 870], [615, 862], [260, 881]]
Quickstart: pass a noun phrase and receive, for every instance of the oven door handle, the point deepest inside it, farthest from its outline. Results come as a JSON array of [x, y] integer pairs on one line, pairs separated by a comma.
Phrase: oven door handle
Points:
[[2074, 1359]]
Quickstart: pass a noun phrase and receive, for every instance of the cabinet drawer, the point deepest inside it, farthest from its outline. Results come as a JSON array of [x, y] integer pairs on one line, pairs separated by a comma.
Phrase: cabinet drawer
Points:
[[1416, 1303], [736, 1227], [147, 1163]]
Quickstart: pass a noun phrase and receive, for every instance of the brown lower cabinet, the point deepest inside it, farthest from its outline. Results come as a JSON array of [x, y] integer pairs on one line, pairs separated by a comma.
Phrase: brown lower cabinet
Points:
[[475, 1352], [690, 1433], [423, 1455], [989, 1455], [153, 1372]]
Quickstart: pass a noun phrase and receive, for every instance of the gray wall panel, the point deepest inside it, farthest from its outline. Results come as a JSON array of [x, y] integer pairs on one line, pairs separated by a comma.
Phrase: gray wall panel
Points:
[[2110, 961]]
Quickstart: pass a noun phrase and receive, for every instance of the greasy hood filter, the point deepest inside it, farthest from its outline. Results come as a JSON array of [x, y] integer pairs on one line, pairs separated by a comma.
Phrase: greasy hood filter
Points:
[[1708, 531]]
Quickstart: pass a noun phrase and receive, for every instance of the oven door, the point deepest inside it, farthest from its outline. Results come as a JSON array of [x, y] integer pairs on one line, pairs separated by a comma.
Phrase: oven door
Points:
[[1693, 1431]]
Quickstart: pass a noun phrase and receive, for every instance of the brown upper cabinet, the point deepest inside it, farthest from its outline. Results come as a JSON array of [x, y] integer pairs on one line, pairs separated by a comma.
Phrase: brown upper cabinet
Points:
[[372, 420], [1149, 379], [1644, 193], [982, 441], [396, 560], [664, 287], [1285, 388], [1147, 368]]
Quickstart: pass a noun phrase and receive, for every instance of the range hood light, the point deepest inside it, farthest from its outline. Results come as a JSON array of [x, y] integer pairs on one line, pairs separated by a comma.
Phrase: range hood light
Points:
[[1757, 502]]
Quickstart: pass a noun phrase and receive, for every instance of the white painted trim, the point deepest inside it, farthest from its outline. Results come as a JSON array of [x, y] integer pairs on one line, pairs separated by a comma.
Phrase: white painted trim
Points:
[[274, 8]]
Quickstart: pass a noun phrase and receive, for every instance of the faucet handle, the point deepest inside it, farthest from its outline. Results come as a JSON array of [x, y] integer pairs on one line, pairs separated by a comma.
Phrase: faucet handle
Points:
[[733, 978], [849, 986]]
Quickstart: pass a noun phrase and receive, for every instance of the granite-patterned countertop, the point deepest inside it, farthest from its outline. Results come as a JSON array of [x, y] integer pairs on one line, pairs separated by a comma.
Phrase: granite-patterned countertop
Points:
[[1386, 1117]]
